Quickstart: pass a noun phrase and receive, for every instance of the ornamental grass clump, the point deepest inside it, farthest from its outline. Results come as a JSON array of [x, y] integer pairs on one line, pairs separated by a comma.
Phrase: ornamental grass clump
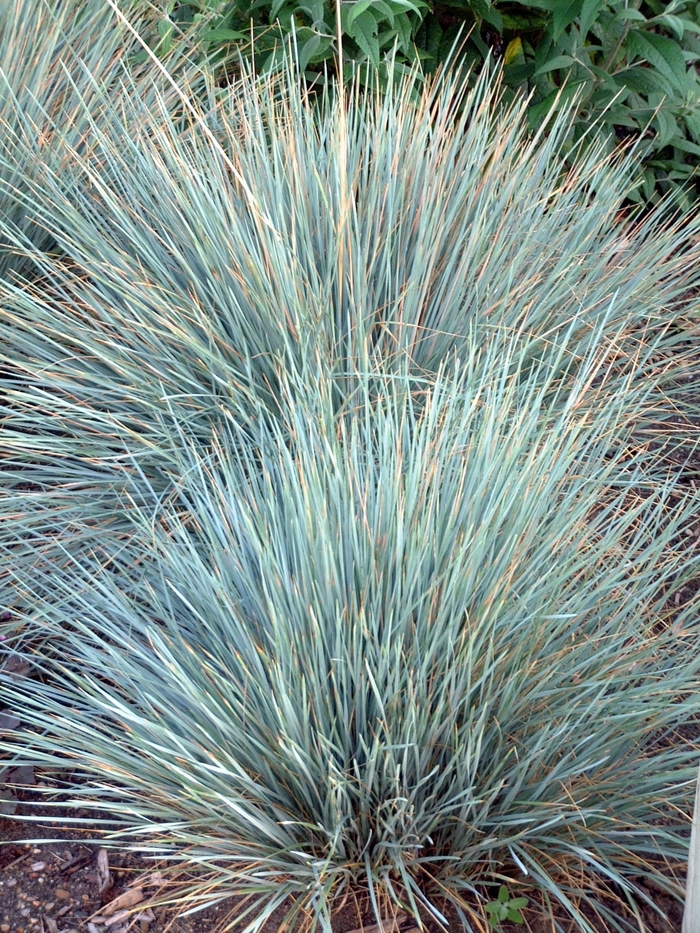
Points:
[[34, 49], [58, 63], [348, 456]]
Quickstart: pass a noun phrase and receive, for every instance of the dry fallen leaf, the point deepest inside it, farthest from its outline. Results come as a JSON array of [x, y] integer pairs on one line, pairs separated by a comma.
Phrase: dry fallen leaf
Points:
[[120, 917], [104, 876], [129, 898]]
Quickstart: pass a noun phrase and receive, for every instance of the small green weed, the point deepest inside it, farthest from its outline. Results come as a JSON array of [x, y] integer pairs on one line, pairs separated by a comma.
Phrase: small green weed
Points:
[[505, 907]]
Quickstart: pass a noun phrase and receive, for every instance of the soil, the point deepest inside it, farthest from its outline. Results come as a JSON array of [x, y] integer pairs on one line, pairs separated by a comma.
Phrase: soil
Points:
[[59, 887]]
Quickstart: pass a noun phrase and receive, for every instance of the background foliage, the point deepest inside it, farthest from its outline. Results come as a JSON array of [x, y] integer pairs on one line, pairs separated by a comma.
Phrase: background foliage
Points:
[[632, 66]]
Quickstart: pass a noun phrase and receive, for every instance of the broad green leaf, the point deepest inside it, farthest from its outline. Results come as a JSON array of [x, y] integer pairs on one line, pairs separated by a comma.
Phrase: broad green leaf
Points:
[[314, 9], [558, 99], [431, 39], [545, 49], [479, 8], [685, 145], [663, 53], [565, 12], [308, 50], [402, 25], [692, 122], [554, 64], [382, 12], [674, 5], [624, 118], [675, 23], [165, 31], [520, 22], [644, 80], [386, 39], [493, 17], [548, 5], [275, 8], [514, 51], [397, 5], [272, 61], [518, 73], [666, 128], [363, 30], [649, 183], [484, 49], [630, 14], [589, 12], [606, 79], [355, 10], [679, 169], [224, 35]]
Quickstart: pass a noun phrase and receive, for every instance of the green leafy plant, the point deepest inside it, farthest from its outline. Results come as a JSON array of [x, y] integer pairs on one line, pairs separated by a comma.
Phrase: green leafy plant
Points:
[[631, 66], [505, 907], [343, 524], [374, 31]]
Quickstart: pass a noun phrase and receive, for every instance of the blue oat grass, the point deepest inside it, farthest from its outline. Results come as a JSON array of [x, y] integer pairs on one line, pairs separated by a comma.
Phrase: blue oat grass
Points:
[[346, 447]]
